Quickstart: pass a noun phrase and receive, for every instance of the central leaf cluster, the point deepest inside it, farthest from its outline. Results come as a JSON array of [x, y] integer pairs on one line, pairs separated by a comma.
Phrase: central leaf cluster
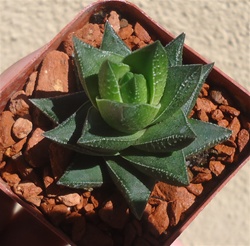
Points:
[[128, 93]]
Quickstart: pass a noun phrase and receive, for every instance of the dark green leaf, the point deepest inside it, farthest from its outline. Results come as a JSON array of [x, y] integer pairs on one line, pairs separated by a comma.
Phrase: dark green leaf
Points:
[[91, 87], [69, 131], [174, 51], [181, 82], [135, 186], [128, 118], [89, 59], [112, 42], [208, 135], [188, 106], [100, 137], [150, 61], [85, 172], [167, 136], [170, 168], [60, 108]]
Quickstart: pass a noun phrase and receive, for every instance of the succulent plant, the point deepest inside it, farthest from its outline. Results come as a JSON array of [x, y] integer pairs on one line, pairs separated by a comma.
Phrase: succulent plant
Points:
[[132, 128]]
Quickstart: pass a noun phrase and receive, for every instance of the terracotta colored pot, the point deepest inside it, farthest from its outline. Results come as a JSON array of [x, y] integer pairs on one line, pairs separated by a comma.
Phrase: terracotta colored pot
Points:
[[14, 78]]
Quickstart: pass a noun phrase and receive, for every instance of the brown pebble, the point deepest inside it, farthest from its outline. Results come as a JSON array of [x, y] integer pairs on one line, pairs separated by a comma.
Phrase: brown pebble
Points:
[[202, 115], [243, 138], [216, 167], [205, 105], [57, 213], [223, 123], [15, 149], [6, 123], [235, 126], [132, 42], [19, 104], [22, 127], [217, 115], [47, 177], [126, 32], [89, 33], [141, 33], [159, 220], [223, 149], [11, 179], [204, 90], [195, 189], [141, 44], [218, 97], [36, 152], [171, 193], [30, 85], [30, 192], [114, 21], [53, 75], [175, 212], [83, 203], [229, 110], [94, 201], [202, 174], [70, 200], [154, 201], [86, 194], [89, 207], [46, 206]]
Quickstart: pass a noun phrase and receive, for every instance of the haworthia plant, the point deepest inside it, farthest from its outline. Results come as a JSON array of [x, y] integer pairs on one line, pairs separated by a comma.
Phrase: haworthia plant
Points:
[[133, 127]]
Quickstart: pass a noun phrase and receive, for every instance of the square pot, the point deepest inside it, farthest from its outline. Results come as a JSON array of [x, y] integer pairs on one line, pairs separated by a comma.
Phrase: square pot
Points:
[[15, 77]]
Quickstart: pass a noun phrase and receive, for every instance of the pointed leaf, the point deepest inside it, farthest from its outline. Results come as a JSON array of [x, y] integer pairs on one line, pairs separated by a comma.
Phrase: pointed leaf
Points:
[[128, 118], [69, 131], [135, 186], [170, 168], [172, 134], [188, 106], [60, 108], [174, 51], [100, 137], [112, 42], [181, 82], [108, 80], [134, 90], [150, 61], [88, 61], [85, 172], [208, 135]]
